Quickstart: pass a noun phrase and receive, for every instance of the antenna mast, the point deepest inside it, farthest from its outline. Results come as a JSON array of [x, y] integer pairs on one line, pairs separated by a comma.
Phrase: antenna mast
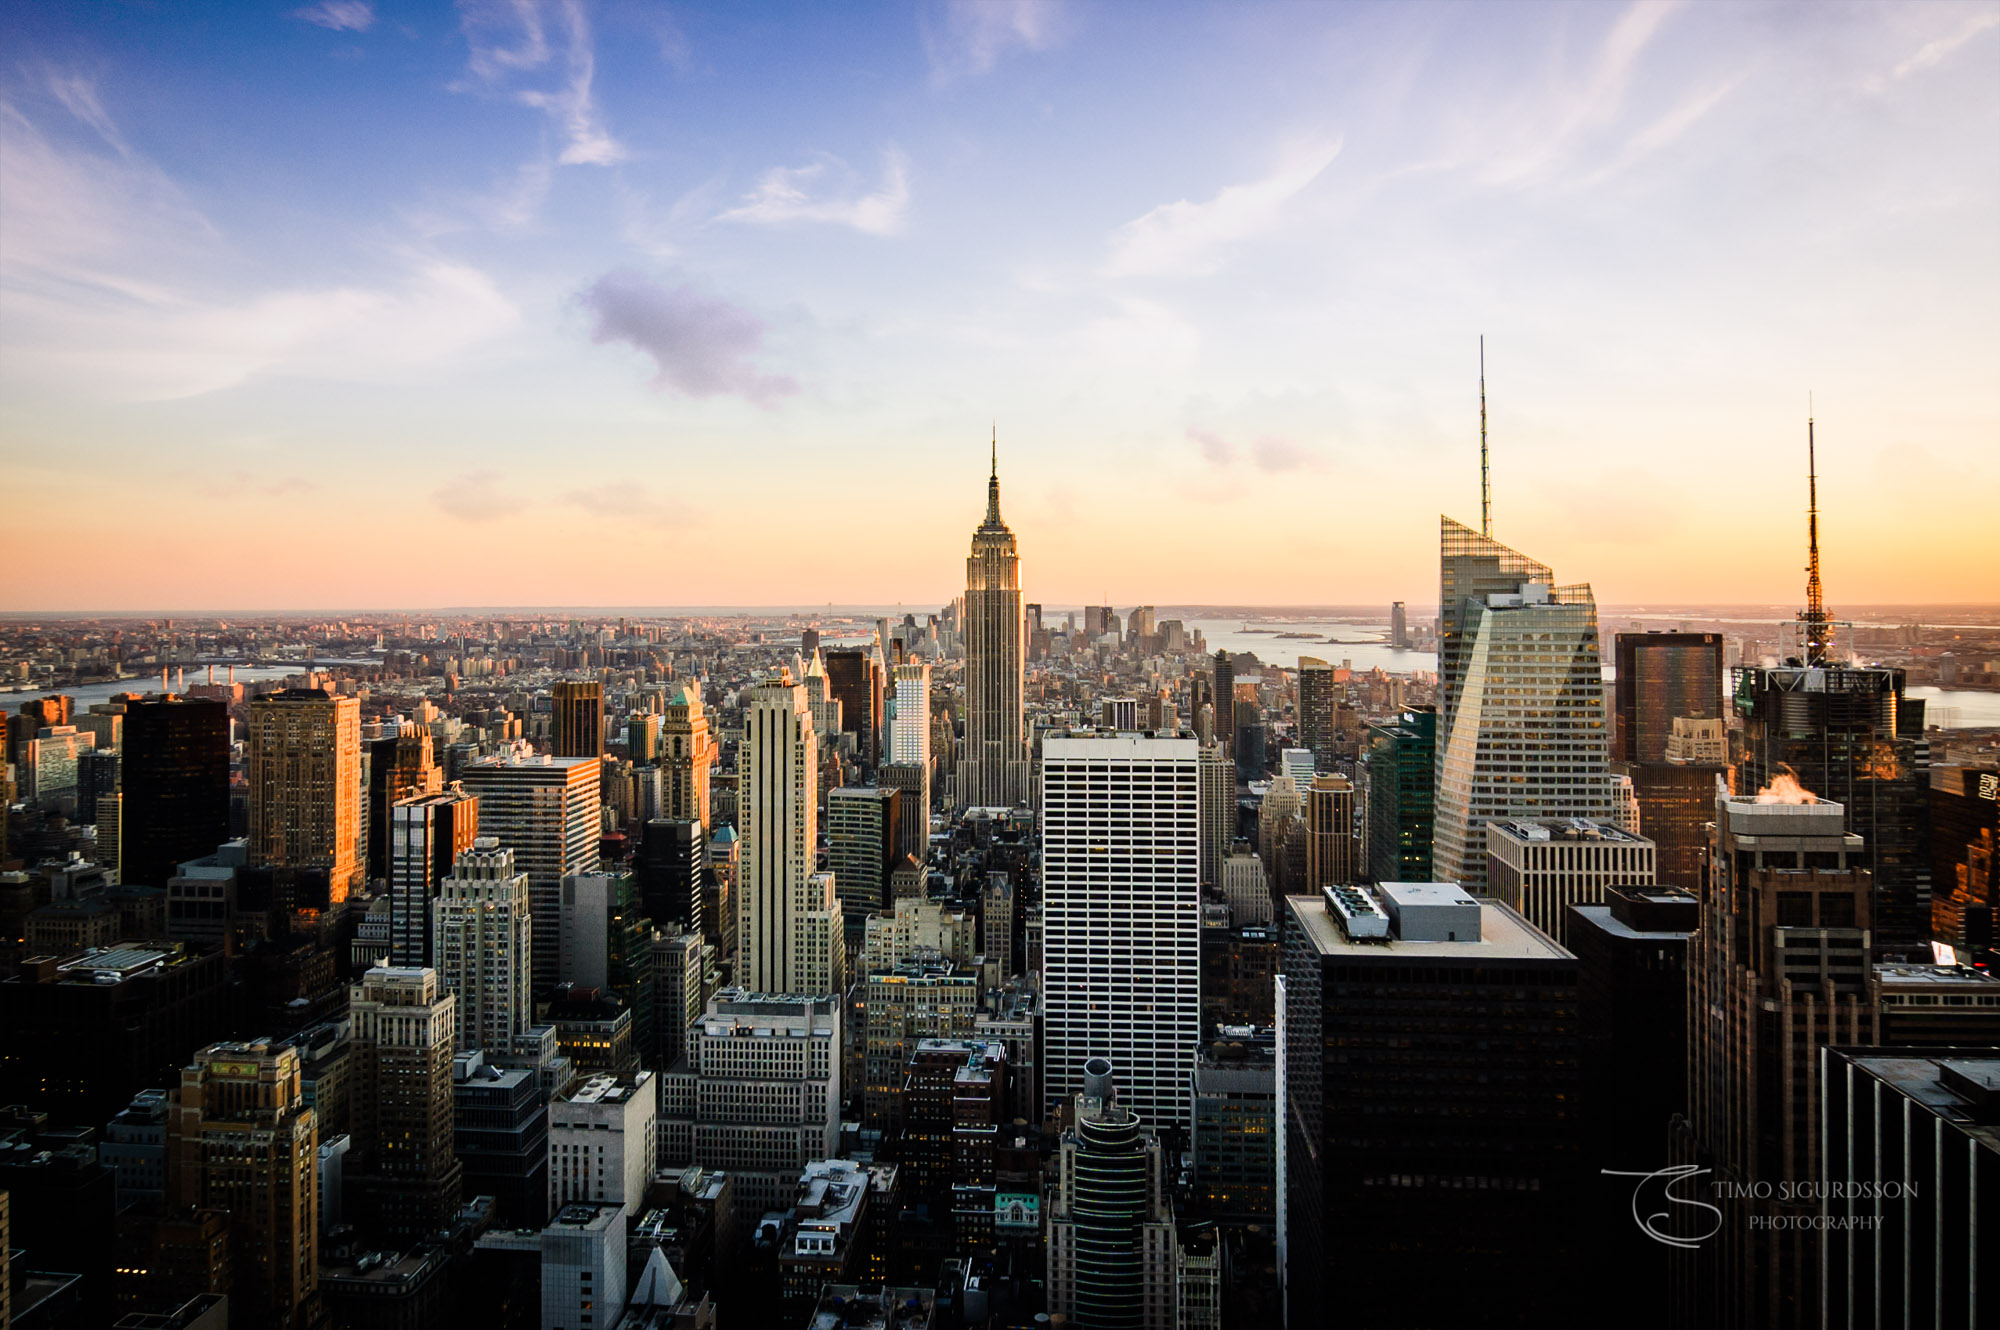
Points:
[[1818, 626], [1485, 485]]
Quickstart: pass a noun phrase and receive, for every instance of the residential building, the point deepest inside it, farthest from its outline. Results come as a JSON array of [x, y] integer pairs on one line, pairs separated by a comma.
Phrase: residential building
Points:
[[1112, 1251]]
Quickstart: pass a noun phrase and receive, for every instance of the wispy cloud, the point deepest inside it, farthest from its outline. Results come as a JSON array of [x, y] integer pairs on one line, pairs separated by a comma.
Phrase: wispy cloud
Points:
[[1215, 450], [800, 194], [78, 96], [509, 43], [1669, 127], [1269, 453], [966, 38], [476, 497], [1938, 49], [1187, 238], [339, 15], [701, 346]]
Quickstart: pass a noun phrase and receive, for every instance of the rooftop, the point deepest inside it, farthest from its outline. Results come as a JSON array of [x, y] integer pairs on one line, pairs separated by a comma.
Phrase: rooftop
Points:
[[1572, 830], [1504, 935]]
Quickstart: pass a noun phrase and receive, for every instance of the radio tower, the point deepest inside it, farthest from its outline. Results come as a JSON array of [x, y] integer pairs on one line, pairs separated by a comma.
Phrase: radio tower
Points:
[[1818, 625], [1485, 488]]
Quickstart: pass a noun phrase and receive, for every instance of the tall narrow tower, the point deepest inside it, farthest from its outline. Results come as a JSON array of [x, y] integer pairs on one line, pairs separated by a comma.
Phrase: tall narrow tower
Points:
[[1816, 623], [995, 772]]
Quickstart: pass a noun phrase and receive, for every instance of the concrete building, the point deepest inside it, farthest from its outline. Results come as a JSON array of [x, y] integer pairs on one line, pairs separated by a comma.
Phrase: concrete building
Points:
[[577, 727], [789, 935], [544, 809], [688, 753], [680, 991], [915, 1000], [427, 834], [863, 832], [994, 770], [584, 1266], [1333, 847], [501, 1135], [483, 947], [1121, 901], [604, 1141], [305, 785], [1540, 868], [911, 746], [404, 1181], [1112, 1250], [175, 777], [1246, 887], [1217, 781]]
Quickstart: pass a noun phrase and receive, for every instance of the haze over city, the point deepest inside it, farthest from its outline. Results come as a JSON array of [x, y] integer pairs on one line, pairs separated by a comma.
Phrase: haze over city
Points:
[[635, 304]]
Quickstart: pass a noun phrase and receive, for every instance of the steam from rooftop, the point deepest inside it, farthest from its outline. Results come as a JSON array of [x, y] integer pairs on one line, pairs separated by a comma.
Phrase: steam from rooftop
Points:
[[1785, 789]]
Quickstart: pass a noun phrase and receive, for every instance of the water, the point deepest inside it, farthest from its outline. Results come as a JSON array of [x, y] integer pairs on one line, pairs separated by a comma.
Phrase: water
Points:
[[1958, 708], [150, 683], [1364, 646]]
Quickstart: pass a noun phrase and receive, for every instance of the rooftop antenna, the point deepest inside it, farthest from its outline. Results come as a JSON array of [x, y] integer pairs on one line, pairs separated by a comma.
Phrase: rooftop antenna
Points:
[[1818, 627], [1485, 485]]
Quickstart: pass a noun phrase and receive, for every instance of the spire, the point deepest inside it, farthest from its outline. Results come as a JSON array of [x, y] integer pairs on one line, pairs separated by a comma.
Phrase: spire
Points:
[[993, 521], [1818, 626], [1485, 489]]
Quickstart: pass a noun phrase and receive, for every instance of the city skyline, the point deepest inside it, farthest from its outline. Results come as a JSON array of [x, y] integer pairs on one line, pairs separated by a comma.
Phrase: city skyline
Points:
[[305, 281]]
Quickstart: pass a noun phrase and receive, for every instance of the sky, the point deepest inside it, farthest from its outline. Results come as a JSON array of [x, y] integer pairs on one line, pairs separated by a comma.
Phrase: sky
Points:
[[362, 303]]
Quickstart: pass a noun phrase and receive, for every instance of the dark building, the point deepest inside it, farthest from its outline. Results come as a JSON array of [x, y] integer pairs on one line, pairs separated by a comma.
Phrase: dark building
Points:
[[577, 729], [1661, 676], [175, 772], [1848, 734], [1676, 804], [913, 817], [427, 833], [670, 869], [60, 1211], [863, 833], [953, 1097], [1319, 705], [88, 1032], [1430, 1067], [1965, 859], [1224, 697], [808, 642], [1402, 761], [1909, 1197], [1251, 739], [854, 678], [502, 1138], [1235, 1132], [96, 777], [1237, 967]]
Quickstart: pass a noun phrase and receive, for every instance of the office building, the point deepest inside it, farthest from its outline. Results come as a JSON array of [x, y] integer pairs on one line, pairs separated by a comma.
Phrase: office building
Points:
[[1121, 913], [1663, 677], [863, 833], [680, 990], [241, 1139], [1217, 780], [1909, 1189], [1676, 803], [577, 727], [604, 1141], [501, 1137], [483, 947], [1246, 887], [427, 834], [544, 809], [585, 1261], [305, 785], [1965, 859], [1252, 737], [907, 1001], [789, 935], [404, 1183], [1299, 765], [1235, 1132], [47, 771], [911, 746], [1112, 1251], [671, 867], [1522, 731], [688, 753], [1540, 868], [1399, 628], [96, 778], [758, 1097], [994, 770], [1222, 696], [1427, 1075], [854, 680], [393, 769], [1631, 953], [1319, 704], [913, 812], [1333, 851], [1400, 775]]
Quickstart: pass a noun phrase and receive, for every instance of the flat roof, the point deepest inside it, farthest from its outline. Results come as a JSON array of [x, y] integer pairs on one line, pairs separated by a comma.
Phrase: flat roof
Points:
[[1119, 747], [1929, 975], [1505, 935], [1563, 830], [1600, 917]]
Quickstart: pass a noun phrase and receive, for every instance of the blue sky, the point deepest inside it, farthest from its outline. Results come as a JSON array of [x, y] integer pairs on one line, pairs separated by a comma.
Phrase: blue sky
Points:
[[405, 304]]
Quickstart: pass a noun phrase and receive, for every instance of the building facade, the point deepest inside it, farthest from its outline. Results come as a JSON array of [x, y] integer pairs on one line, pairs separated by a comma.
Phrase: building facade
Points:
[[994, 769], [544, 809], [305, 785], [483, 947]]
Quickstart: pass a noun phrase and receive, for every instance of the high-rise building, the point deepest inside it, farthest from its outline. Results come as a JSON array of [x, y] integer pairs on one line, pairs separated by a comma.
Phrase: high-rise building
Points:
[[1121, 911], [905, 1002], [688, 753], [1112, 1251], [427, 834], [577, 728], [1676, 803], [758, 1096], [1319, 703], [1541, 868], [483, 947], [406, 1183], [1400, 777], [1333, 851], [1427, 1086], [680, 988], [305, 785], [1222, 695], [788, 925], [854, 680], [241, 1138], [47, 771], [1235, 1129], [671, 864], [862, 838], [393, 769], [604, 1141], [544, 809], [1631, 957], [1522, 725], [1663, 676], [912, 744], [994, 772], [1399, 628], [502, 1137], [175, 776], [913, 809], [1965, 859], [1218, 809]]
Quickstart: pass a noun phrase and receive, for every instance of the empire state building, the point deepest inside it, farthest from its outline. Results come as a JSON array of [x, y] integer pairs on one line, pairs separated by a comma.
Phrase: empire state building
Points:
[[994, 773]]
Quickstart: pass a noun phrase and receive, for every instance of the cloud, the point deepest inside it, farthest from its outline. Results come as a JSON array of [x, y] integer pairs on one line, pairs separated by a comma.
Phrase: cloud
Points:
[[339, 15], [476, 496], [701, 346], [966, 38], [1669, 127], [508, 43], [785, 194], [1215, 450], [1186, 238], [78, 96], [1936, 50], [1275, 456]]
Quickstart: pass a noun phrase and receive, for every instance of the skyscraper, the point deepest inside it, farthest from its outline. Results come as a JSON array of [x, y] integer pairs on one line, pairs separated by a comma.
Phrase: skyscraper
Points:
[[862, 839], [671, 866], [578, 726], [688, 753], [483, 947], [1542, 868], [1112, 1251], [405, 1178], [994, 773], [393, 769], [854, 679], [1662, 676], [544, 809], [1522, 726], [1224, 701], [1965, 859], [783, 908], [1218, 810], [912, 745], [1318, 704], [427, 834], [305, 784], [1121, 917], [1333, 851], [1399, 628], [1401, 775], [175, 772], [240, 1138]]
